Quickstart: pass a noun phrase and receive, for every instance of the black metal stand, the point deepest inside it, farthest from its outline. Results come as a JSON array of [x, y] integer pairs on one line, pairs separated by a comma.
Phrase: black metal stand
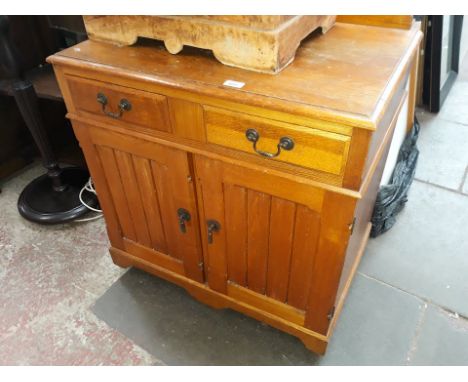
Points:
[[53, 197]]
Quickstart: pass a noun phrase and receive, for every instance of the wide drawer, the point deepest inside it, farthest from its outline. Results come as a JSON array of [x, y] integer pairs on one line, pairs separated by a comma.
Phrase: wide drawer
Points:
[[274, 140], [118, 104]]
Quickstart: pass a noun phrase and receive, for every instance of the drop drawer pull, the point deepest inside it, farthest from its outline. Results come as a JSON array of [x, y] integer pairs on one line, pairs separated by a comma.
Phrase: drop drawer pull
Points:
[[284, 143], [124, 105]]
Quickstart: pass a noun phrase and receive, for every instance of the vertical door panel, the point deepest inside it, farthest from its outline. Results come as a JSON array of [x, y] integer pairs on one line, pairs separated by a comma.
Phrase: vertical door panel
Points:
[[211, 196], [147, 183], [274, 249], [132, 192], [258, 215], [306, 233], [145, 179], [235, 201], [117, 193], [282, 216]]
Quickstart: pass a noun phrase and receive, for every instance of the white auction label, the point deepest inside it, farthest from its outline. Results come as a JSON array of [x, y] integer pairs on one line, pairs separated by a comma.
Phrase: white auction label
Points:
[[234, 84]]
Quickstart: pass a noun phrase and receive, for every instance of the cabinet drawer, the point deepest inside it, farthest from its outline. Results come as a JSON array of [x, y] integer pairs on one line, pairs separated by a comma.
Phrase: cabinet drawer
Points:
[[118, 104], [302, 146]]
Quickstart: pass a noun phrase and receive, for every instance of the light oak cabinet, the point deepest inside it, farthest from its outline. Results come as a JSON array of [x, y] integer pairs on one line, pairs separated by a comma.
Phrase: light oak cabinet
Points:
[[256, 199]]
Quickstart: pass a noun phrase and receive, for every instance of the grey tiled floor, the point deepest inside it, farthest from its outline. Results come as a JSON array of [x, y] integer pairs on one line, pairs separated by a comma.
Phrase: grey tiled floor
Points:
[[426, 254], [408, 304]]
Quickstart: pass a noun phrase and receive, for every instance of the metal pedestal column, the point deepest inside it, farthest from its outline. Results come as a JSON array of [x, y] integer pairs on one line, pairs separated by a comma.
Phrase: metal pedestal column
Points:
[[53, 197]]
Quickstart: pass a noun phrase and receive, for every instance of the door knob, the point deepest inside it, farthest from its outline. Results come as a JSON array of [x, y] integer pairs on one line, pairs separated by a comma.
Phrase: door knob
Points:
[[213, 226], [184, 216]]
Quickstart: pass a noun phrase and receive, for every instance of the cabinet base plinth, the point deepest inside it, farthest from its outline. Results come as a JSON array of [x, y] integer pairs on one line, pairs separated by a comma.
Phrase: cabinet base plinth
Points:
[[120, 258]]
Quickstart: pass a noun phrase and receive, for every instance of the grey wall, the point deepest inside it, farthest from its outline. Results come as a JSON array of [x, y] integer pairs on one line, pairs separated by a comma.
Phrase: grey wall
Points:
[[464, 40]]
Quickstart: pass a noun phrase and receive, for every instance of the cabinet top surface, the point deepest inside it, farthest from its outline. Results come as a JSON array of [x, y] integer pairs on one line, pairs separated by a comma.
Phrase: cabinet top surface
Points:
[[348, 71]]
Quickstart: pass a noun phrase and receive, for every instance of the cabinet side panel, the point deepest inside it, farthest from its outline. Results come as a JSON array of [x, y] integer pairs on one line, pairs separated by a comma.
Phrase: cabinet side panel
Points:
[[363, 214], [337, 216], [394, 105]]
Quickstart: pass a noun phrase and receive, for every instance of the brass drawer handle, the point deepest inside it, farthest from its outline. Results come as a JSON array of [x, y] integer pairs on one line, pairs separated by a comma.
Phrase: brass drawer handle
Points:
[[284, 143], [124, 105]]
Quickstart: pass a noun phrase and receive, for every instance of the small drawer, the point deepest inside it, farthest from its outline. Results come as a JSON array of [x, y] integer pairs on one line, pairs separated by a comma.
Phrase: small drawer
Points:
[[274, 140], [118, 104]]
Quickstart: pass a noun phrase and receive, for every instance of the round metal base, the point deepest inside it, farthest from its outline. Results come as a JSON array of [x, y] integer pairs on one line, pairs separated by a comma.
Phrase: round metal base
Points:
[[41, 204]]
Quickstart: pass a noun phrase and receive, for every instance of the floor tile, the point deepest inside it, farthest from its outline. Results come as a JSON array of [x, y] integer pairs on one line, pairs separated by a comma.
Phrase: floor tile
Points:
[[42, 273], [7, 249], [14, 230], [443, 153], [376, 326], [425, 253], [49, 276], [465, 184], [424, 116], [443, 340], [32, 287], [463, 71], [455, 106], [43, 266], [166, 321], [64, 338]]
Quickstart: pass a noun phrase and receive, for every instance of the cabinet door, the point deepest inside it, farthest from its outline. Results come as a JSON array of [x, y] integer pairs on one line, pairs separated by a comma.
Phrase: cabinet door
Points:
[[276, 243], [144, 189]]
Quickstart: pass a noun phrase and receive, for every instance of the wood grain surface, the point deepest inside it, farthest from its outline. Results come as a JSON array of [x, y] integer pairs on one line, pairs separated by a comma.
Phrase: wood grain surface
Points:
[[259, 43], [332, 77]]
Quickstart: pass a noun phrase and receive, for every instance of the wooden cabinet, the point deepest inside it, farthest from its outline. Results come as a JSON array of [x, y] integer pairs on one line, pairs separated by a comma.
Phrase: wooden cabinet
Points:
[[256, 199]]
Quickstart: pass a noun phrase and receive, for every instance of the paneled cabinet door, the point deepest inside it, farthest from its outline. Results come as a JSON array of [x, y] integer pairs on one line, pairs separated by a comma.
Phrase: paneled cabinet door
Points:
[[148, 198], [271, 242]]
